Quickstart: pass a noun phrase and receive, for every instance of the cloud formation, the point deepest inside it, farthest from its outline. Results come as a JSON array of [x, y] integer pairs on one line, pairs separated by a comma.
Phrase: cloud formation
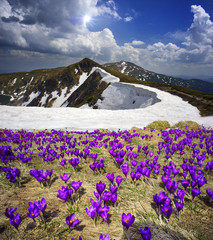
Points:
[[49, 28], [128, 19]]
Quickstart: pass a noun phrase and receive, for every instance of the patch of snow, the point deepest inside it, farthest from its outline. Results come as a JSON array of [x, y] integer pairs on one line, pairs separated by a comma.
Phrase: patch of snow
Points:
[[12, 99], [170, 108], [44, 99], [22, 78], [76, 70], [126, 96], [60, 99], [31, 80], [21, 94], [82, 79], [86, 106], [2, 91], [14, 81], [106, 77], [123, 70], [32, 96]]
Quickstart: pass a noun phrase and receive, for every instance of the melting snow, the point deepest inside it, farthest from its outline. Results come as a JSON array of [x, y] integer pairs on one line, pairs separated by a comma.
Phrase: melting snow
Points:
[[14, 81], [170, 108], [125, 96], [76, 70], [43, 99], [82, 79], [123, 70], [60, 99], [106, 77], [32, 96], [31, 80]]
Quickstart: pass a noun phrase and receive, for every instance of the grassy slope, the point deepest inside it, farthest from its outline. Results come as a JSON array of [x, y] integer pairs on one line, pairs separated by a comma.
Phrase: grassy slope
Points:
[[195, 220]]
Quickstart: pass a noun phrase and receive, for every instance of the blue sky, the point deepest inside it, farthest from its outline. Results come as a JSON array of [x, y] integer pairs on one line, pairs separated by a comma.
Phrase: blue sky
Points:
[[174, 37]]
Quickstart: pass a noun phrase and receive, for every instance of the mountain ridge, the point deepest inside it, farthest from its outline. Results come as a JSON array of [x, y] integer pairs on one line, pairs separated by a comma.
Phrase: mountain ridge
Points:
[[142, 74], [79, 84]]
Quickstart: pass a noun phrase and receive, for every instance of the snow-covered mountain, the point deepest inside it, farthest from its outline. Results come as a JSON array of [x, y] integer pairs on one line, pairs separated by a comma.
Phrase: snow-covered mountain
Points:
[[142, 74], [87, 84]]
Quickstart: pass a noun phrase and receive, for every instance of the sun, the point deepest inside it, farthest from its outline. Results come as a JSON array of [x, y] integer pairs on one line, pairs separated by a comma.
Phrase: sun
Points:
[[86, 19]]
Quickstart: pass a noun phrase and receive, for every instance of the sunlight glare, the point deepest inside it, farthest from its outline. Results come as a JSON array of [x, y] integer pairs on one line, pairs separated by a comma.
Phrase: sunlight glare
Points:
[[87, 19]]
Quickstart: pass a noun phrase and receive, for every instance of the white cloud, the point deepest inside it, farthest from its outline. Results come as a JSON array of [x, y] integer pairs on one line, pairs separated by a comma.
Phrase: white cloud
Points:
[[128, 19], [63, 35], [137, 43]]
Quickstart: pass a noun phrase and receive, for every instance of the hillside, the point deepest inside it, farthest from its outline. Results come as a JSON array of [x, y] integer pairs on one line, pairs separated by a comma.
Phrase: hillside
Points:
[[84, 83], [142, 74]]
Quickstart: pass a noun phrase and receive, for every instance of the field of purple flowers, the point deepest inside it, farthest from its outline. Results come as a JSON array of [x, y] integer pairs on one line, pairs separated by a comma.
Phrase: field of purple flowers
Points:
[[138, 184]]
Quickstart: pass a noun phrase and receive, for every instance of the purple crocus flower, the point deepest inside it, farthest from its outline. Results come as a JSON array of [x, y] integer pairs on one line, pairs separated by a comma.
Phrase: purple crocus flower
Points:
[[78, 238], [65, 177], [92, 166], [132, 175], [127, 220], [63, 162], [184, 174], [104, 238], [76, 185], [119, 180], [125, 169], [185, 183], [95, 203], [165, 179], [42, 205], [137, 175], [106, 196], [15, 220], [91, 212], [175, 185], [103, 212], [209, 192], [193, 183], [179, 206], [167, 210], [33, 211], [96, 194], [180, 194], [110, 177], [201, 181], [10, 213], [64, 193], [100, 187], [134, 163], [70, 222], [195, 192], [114, 198], [113, 189], [145, 233], [175, 171]]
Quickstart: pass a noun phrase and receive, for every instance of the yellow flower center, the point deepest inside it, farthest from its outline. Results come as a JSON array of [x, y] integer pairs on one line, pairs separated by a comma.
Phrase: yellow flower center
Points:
[[127, 220], [71, 221]]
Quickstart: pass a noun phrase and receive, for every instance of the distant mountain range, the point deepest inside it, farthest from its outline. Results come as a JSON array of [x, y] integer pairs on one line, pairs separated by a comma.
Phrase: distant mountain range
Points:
[[141, 74], [89, 84]]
